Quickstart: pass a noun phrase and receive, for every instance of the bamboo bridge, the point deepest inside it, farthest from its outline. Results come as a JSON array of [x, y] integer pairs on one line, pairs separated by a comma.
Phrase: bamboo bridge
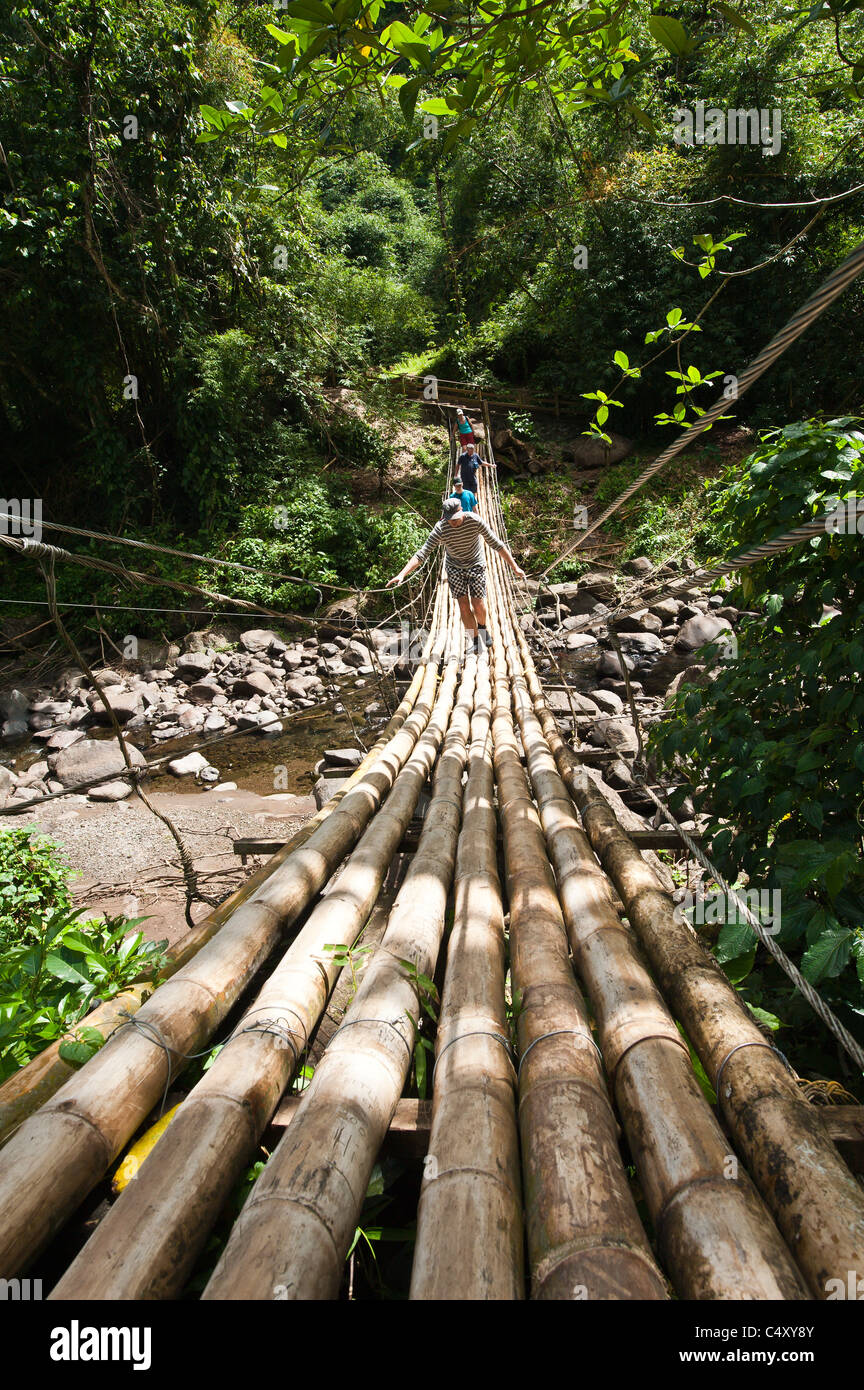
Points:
[[525, 1189]]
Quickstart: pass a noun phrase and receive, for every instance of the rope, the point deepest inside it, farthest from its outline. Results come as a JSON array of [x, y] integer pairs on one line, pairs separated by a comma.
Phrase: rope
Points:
[[852, 1049], [204, 559], [801, 320]]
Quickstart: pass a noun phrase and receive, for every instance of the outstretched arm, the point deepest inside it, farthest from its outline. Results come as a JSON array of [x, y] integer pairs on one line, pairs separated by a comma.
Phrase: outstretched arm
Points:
[[412, 565]]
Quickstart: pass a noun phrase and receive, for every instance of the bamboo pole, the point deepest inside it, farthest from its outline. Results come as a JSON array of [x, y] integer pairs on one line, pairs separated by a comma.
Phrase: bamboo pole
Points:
[[36, 1082], [50, 1164], [147, 1245], [296, 1227], [715, 1238], [585, 1239], [811, 1193], [469, 1220]]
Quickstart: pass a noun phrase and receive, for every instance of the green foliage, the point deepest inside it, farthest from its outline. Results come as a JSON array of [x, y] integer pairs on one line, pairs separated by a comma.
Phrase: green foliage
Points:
[[56, 972], [774, 742], [53, 966], [33, 882]]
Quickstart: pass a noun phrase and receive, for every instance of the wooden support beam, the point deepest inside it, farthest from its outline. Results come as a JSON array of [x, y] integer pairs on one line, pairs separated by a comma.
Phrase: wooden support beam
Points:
[[407, 1137], [845, 1125]]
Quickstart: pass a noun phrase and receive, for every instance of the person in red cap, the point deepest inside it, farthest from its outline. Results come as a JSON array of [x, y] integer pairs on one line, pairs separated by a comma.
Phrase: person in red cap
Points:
[[461, 534]]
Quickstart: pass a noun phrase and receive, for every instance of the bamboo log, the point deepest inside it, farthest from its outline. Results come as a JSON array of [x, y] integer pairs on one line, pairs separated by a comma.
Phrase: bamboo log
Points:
[[50, 1164], [715, 1237], [296, 1227], [585, 1239], [146, 1247], [42, 1077], [469, 1220], [812, 1195]]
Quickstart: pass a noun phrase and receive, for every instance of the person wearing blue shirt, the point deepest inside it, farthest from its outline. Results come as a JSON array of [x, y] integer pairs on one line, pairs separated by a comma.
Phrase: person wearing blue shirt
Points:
[[468, 500]]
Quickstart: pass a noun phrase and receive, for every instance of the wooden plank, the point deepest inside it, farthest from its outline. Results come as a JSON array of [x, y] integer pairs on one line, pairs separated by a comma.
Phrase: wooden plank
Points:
[[408, 1135]]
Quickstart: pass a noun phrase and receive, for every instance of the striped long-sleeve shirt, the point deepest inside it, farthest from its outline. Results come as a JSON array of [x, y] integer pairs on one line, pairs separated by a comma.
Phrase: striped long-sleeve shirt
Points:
[[462, 542]]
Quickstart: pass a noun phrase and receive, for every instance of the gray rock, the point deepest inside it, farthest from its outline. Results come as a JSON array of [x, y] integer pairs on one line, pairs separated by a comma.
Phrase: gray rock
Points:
[[188, 765], [559, 701], [356, 654], [618, 774], [250, 719], [343, 757], [255, 683], [643, 621], [107, 677], [258, 639], [641, 644], [608, 701], [666, 609], [124, 704], [204, 691], [214, 722], [699, 630], [295, 688], [640, 566], [91, 758], [609, 665], [271, 730], [691, 675], [575, 641], [14, 705], [194, 666], [6, 785], [190, 718], [618, 733], [110, 791], [64, 738], [373, 709], [326, 787], [34, 773]]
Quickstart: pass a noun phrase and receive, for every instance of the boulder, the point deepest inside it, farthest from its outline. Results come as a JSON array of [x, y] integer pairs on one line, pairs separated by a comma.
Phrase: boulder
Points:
[[254, 683], [343, 757], [586, 452], [110, 791], [608, 701], [640, 644], [271, 730], [107, 677], [643, 621], [618, 733], [220, 635], [214, 722], [189, 765], [326, 787], [691, 675], [124, 705], [258, 639], [204, 691], [34, 773], [91, 758], [640, 566], [575, 641], [357, 654], [701, 629], [559, 701], [6, 785], [14, 705], [609, 665], [194, 666], [666, 609]]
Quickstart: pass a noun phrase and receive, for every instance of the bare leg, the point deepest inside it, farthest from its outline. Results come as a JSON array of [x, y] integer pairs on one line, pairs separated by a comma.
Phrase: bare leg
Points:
[[467, 616], [480, 610]]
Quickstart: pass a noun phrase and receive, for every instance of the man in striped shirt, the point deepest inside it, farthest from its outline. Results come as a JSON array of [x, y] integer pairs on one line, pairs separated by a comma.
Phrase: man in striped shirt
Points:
[[461, 534]]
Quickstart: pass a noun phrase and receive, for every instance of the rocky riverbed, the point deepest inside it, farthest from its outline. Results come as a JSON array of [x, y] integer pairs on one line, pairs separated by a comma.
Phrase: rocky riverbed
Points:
[[218, 681]]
